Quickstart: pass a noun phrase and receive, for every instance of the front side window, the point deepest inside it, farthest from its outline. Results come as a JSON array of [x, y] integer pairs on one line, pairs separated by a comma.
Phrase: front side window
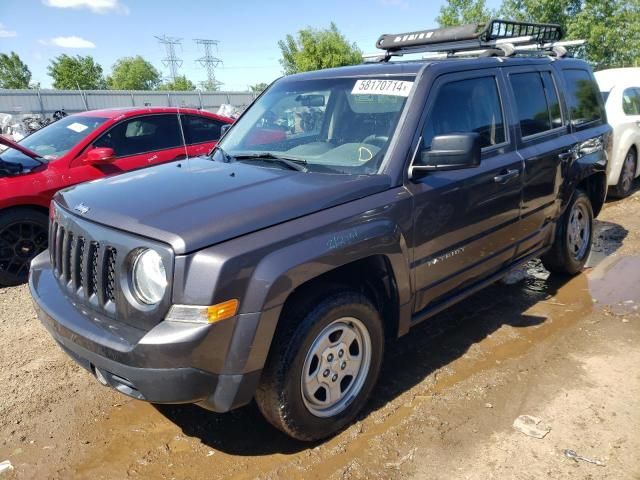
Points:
[[200, 129], [583, 97], [142, 135], [467, 106], [338, 125], [631, 101]]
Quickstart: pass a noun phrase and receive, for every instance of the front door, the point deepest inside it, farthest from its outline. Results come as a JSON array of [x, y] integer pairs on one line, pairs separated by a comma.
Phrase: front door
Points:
[[137, 143], [465, 221]]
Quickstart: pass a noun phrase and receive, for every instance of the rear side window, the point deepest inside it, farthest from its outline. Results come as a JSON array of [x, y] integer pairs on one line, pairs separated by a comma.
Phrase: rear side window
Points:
[[531, 102], [467, 106], [631, 101], [536, 102], [583, 97], [142, 135], [200, 129]]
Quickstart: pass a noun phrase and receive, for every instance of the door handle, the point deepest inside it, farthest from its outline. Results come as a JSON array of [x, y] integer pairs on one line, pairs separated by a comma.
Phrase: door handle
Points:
[[182, 156], [505, 177]]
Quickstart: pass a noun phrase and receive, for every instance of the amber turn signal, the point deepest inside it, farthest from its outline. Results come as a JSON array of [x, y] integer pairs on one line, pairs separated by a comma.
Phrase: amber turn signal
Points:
[[221, 311]]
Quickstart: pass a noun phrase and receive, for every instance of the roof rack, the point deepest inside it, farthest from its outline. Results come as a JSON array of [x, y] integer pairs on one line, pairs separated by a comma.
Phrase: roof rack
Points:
[[496, 37]]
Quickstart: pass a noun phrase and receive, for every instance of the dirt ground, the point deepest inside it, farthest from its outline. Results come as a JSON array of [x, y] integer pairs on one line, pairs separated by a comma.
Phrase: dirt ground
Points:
[[565, 351]]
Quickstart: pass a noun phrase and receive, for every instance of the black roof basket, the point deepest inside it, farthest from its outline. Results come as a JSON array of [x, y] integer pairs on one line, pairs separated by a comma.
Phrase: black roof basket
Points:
[[469, 37]]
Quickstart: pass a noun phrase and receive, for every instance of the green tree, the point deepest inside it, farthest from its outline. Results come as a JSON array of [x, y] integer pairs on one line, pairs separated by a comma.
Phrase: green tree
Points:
[[610, 27], [612, 31], [461, 12], [133, 73], [13, 72], [181, 83], [69, 73], [316, 49], [258, 87]]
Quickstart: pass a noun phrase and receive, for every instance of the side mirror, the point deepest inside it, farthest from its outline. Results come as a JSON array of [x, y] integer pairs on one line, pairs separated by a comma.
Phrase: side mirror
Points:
[[449, 152], [224, 129], [100, 155]]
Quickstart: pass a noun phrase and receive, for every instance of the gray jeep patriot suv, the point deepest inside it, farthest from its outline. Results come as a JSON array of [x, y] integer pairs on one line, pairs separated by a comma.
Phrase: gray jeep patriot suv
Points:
[[344, 207]]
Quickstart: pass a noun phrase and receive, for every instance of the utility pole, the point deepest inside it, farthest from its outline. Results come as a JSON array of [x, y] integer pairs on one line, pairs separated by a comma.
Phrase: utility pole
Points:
[[172, 61], [209, 61]]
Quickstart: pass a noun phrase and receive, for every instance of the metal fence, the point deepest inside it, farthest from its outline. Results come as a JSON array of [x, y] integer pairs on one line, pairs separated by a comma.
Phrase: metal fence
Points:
[[46, 102]]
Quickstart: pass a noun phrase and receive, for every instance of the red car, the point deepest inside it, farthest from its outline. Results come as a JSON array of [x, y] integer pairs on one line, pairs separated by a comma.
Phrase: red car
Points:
[[82, 147]]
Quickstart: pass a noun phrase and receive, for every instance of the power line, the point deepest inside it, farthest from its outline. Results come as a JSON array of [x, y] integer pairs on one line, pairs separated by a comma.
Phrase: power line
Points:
[[172, 61], [209, 61]]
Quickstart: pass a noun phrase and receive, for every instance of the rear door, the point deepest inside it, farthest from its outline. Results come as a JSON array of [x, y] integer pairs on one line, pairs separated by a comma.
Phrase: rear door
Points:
[[200, 133], [545, 143], [465, 221]]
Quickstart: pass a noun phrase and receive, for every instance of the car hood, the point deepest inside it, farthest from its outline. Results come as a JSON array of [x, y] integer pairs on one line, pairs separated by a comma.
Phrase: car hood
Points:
[[197, 203]]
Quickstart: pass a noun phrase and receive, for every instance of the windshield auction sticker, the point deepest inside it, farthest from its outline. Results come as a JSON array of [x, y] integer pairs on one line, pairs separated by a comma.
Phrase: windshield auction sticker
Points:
[[397, 88], [77, 127]]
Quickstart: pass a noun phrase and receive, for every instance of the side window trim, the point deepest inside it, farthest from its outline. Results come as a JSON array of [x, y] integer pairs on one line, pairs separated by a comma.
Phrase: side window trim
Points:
[[137, 117]]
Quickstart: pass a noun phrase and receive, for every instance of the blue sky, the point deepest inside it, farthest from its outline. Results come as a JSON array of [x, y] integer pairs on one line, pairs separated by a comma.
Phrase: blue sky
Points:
[[248, 30]]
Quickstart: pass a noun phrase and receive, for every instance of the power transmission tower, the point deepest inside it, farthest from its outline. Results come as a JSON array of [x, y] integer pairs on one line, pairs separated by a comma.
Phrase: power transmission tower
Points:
[[209, 61], [171, 60]]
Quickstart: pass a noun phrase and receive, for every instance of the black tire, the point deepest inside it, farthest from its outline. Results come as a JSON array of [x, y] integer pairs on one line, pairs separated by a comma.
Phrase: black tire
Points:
[[562, 257], [624, 187], [23, 235], [280, 394]]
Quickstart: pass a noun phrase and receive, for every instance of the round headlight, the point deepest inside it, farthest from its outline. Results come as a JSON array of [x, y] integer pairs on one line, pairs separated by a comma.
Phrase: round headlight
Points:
[[149, 277]]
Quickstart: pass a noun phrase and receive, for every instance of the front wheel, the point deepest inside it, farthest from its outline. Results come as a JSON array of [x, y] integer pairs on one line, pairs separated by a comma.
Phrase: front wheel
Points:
[[322, 366], [574, 236]]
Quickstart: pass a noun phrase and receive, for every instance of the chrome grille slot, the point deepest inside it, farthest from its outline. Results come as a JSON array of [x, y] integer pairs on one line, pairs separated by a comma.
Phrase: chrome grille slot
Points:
[[58, 253], [66, 256], [78, 259], [109, 281], [92, 274], [53, 231]]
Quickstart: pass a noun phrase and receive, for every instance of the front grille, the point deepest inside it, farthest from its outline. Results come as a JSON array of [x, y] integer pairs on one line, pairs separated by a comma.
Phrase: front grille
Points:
[[85, 266]]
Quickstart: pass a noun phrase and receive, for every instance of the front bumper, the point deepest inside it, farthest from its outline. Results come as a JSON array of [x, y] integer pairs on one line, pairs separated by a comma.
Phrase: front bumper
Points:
[[171, 363]]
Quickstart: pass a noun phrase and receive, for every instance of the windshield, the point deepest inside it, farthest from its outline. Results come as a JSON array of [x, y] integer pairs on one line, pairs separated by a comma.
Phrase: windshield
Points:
[[55, 140], [339, 125]]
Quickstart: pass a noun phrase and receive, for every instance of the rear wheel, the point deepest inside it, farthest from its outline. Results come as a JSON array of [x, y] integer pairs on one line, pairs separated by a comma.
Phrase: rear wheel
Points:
[[627, 175], [574, 235], [23, 235], [322, 366]]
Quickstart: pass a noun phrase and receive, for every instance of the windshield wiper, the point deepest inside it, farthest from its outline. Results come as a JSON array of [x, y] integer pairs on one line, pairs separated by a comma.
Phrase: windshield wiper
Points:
[[291, 163]]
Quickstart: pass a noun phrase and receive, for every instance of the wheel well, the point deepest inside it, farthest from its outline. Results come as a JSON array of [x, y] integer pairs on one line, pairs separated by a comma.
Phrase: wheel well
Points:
[[36, 208], [595, 186], [372, 276]]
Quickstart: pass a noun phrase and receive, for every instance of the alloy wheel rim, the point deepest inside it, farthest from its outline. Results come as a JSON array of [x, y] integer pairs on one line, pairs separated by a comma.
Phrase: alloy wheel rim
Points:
[[628, 172], [336, 367], [20, 242], [578, 231]]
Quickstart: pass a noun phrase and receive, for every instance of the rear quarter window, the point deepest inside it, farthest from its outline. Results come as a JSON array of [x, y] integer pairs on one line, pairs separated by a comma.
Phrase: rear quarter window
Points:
[[583, 98]]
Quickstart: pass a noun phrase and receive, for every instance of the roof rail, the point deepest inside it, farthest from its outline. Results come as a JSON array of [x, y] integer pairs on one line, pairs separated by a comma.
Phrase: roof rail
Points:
[[474, 36]]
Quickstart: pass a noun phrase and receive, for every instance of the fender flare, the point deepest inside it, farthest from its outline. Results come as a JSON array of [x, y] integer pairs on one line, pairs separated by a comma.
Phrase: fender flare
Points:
[[282, 271]]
